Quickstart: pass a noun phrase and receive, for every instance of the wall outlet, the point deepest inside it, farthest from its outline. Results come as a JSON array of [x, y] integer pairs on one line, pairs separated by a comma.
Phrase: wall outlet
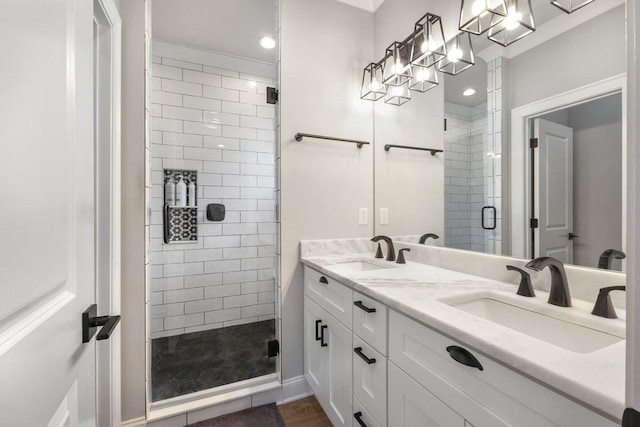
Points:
[[363, 216], [384, 216]]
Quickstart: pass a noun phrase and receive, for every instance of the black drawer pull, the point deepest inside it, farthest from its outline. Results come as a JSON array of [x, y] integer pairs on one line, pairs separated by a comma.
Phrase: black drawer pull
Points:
[[322, 343], [358, 417], [324, 280], [463, 356], [360, 305], [317, 331], [358, 351]]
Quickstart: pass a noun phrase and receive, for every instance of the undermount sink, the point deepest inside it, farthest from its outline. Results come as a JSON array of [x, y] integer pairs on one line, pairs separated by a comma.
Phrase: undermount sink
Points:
[[562, 333], [352, 266]]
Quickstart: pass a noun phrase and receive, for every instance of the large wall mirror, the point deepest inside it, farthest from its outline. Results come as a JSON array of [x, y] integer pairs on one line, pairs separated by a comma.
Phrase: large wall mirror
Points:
[[533, 141]]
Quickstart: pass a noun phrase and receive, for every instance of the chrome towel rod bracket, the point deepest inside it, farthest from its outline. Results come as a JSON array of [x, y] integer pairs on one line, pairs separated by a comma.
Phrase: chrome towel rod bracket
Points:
[[300, 136], [433, 151]]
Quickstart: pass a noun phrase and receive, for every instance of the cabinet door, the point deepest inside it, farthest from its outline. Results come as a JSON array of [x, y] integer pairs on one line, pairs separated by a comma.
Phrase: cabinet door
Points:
[[315, 360], [411, 405], [339, 367], [370, 379]]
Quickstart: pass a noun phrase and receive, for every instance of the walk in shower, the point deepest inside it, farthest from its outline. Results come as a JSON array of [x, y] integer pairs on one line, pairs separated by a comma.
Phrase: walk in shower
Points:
[[472, 164], [212, 284]]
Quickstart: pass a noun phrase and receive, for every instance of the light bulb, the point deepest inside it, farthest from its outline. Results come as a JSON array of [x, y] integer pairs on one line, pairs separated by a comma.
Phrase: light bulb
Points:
[[455, 54], [478, 7], [425, 46], [397, 91], [374, 86], [512, 21], [397, 68], [422, 75]]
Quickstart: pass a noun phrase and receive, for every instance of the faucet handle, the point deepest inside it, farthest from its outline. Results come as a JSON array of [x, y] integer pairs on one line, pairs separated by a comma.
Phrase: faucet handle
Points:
[[526, 288], [379, 252], [604, 307], [401, 252]]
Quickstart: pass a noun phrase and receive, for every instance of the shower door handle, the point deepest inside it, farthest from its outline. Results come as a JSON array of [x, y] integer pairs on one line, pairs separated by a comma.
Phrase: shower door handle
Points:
[[489, 227]]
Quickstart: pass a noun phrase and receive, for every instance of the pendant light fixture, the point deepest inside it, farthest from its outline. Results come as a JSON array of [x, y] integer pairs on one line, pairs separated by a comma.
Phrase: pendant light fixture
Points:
[[424, 78], [397, 64], [570, 6], [517, 24], [398, 95], [477, 16], [428, 45], [459, 55], [372, 86]]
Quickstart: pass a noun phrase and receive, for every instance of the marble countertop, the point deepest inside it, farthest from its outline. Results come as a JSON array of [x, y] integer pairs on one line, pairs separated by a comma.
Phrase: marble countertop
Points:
[[420, 291]]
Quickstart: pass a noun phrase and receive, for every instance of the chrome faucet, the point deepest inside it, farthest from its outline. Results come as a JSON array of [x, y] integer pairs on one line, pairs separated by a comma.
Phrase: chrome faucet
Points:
[[391, 252], [424, 237], [559, 292]]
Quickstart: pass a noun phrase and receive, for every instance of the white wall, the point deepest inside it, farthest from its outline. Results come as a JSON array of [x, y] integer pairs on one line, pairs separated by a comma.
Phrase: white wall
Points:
[[324, 47], [588, 53], [226, 278], [133, 210]]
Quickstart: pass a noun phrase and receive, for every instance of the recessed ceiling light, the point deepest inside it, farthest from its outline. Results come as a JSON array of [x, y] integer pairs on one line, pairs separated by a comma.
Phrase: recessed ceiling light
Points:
[[267, 42], [469, 92]]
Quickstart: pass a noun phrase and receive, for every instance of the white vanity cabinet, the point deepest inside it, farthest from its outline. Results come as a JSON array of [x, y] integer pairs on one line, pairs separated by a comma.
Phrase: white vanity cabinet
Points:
[[370, 366]]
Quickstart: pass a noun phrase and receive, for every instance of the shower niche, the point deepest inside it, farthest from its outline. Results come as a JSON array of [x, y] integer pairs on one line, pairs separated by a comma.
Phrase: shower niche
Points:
[[180, 212]]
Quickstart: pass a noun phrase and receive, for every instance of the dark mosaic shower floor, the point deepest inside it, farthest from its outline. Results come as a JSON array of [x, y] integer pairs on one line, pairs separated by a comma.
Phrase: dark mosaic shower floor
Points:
[[198, 361]]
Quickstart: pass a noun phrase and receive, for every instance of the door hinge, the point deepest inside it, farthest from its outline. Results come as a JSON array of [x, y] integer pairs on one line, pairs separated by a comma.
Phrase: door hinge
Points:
[[533, 143], [533, 223], [272, 95], [445, 125], [273, 348]]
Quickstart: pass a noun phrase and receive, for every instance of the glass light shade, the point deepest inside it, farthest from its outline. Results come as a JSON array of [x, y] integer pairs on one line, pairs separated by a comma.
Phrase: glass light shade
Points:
[[428, 46], [398, 95], [459, 55], [518, 23], [570, 6], [477, 16], [397, 64], [424, 78], [372, 86]]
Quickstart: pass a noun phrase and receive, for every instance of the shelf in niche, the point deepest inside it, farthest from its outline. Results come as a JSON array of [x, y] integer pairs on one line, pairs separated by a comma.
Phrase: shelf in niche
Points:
[[183, 207]]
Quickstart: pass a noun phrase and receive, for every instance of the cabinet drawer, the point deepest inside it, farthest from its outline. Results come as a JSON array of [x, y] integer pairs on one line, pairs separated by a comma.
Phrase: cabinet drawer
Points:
[[332, 296], [370, 321], [361, 417], [370, 379], [494, 396], [411, 405]]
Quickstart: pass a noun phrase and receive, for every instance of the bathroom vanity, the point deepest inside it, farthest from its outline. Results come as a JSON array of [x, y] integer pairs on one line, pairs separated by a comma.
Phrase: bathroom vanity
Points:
[[397, 345]]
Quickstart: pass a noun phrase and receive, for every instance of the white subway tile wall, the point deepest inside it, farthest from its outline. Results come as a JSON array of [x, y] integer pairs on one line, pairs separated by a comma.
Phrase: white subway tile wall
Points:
[[465, 192], [217, 122]]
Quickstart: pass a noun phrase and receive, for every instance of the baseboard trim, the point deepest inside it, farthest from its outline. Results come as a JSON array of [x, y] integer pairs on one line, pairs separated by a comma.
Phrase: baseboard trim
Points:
[[294, 388], [136, 422]]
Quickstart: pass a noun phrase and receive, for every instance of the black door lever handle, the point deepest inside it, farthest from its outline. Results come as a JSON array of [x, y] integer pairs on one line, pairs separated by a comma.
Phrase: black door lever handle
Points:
[[91, 322]]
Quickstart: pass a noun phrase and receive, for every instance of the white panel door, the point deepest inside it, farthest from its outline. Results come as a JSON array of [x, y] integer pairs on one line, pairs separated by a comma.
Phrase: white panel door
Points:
[[553, 190], [47, 257]]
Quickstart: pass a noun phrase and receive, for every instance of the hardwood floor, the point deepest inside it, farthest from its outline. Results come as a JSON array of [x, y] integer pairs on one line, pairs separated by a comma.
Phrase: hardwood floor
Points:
[[304, 413]]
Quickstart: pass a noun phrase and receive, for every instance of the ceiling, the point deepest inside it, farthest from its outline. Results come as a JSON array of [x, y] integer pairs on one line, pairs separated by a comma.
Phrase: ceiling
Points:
[[206, 24], [471, 78]]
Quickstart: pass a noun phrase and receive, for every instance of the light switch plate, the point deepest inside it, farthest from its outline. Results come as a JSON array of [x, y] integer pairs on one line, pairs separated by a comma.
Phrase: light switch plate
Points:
[[363, 216], [384, 216]]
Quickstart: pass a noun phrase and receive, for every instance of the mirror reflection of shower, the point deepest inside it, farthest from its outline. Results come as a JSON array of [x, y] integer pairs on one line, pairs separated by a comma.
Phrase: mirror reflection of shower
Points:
[[212, 247]]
